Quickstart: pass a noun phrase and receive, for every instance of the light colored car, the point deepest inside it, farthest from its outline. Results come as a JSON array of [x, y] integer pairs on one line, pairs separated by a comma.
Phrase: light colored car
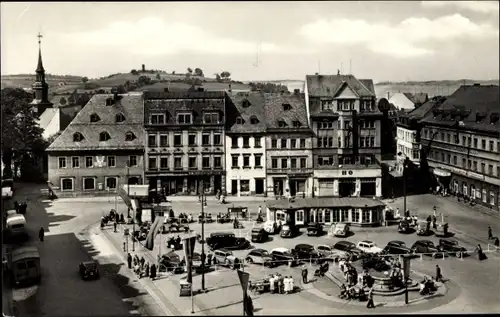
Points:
[[260, 256], [225, 257], [369, 247], [340, 229], [270, 226], [328, 252]]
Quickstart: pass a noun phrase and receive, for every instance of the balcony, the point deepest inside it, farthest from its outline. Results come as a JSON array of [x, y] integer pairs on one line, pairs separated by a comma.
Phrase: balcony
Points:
[[288, 171]]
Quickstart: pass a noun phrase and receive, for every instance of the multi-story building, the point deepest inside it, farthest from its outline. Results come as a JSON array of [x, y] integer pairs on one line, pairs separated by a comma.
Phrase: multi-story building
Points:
[[101, 147], [347, 135], [288, 161], [185, 141], [463, 139], [245, 144]]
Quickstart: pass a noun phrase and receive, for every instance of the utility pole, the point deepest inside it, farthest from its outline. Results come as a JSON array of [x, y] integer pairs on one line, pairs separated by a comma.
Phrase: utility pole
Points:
[[203, 256], [405, 165]]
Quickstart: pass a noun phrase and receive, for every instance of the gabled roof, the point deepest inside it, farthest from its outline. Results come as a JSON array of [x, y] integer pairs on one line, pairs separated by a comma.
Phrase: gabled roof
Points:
[[328, 85], [255, 109], [423, 110], [469, 101], [46, 117], [418, 98], [130, 105], [274, 111]]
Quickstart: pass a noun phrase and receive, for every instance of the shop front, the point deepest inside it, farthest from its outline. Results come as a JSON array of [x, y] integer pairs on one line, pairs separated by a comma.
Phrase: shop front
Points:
[[443, 178], [189, 184], [481, 192]]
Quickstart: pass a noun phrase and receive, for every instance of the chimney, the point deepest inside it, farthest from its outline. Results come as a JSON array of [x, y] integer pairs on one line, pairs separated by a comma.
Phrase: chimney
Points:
[[165, 89], [316, 74], [230, 90], [388, 95], [143, 68], [477, 84], [296, 91]]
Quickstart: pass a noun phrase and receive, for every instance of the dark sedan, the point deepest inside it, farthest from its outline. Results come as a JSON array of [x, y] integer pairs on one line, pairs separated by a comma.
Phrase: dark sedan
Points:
[[348, 248], [396, 247], [453, 247], [306, 253], [427, 247], [226, 240], [289, 231], [89, 270]]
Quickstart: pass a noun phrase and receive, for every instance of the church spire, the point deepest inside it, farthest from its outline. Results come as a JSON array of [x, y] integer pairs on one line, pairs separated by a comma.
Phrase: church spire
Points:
[[40, 86], [39, 69]]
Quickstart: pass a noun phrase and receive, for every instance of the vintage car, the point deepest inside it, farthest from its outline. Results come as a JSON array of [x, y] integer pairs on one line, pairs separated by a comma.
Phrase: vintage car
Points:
[[171, 262], [259, 235], [272, 227], [89, 270], [369, 247], [314, 229], [289, 231], [441, 229], [175, 226], [227, 240], [328, 252], [340, 229], [284, 256], [404, 226], [453, 247], [428, 248], [396, 247], [226, 258], [306, 253], [260, 256], [347, 248], [422, 229]]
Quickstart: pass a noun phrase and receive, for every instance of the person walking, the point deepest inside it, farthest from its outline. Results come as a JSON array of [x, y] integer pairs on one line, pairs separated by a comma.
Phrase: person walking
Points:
[[41, 234], [304, 274], [439, 276], [114, 226], [490, 233], [129, 260], [152, 272], [370, 303], [434, 222]]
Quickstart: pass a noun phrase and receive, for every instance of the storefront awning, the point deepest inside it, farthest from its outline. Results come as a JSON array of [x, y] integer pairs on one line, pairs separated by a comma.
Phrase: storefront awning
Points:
[[441, 173]]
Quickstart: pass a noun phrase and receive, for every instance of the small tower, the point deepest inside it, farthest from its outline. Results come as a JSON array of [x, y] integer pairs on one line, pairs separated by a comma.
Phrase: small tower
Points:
[[40, 87]]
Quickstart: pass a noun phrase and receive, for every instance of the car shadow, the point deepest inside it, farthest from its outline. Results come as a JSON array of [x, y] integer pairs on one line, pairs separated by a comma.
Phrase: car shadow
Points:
[[408, 231]]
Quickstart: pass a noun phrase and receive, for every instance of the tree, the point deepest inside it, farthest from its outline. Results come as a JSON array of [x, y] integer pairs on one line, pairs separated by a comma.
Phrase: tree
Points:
[[22, 141], [158, 76], [189, 70], [143, 80], [225, 75], [173, 72], [198, 72], [134, 72], [85, 80], [197, 82], [218, 77]]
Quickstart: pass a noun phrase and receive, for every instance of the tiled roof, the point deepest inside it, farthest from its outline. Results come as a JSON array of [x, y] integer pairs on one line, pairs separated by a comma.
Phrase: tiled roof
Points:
[[130, 105], [254, 109], [475, 106], [355, 202], [275, 111], [184, 95], [328, 85], [419, 97], [46, 117], [423, 110]]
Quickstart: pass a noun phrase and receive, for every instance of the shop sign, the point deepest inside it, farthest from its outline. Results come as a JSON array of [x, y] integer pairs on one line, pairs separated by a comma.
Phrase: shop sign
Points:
[[344, 173]]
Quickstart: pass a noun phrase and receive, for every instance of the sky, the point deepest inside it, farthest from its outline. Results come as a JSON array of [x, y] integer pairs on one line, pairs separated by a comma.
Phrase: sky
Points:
[[384, 41]]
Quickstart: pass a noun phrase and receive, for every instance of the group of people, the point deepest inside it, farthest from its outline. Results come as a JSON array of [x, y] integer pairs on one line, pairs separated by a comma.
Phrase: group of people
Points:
[[351, 292], [279, 284], [427, 286], [141, 267], [21, 207], [220, 197], [350, 273]]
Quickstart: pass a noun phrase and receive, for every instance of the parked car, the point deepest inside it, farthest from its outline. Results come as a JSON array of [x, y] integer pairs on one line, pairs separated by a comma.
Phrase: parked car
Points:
[[225, 257], [347, 248], [404, 226], [369, 247], [171, 262], [89, 270], [340, 229], [427, 247], [453, 247], [260, 256], [227, 240], [396, 247], [259, 235], [284, 256], [422, 229], [329, 253], [272, 227], [306, 253], [314, 229], [289, 231]]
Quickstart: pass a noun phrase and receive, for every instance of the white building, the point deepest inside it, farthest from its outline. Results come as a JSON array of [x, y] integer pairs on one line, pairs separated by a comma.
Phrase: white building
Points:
[[245, 145]]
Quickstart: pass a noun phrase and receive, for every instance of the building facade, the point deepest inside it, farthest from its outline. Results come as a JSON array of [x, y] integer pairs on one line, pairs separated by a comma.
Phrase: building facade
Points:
[[289, 166], [185, 135], [101, 149], [463, 138], [245, 144], [347, 136]]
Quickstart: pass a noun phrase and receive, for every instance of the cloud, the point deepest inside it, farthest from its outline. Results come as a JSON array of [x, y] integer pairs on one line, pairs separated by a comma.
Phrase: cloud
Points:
[[409, 38], [152, 36], [490, 7]]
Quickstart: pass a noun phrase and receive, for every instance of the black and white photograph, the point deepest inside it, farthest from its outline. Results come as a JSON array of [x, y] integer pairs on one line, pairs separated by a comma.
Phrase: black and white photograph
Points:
[[250, 158]]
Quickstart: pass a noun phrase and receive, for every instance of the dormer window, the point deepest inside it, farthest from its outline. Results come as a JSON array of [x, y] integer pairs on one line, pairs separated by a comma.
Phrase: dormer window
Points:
[[211, 118], [287, 106], [184, 118], [245, 103], [240, 120], [109, 102], [119, 117], [254, 120], [282, 124], [296, 124], [77, 137], [104, 136], [157, 118], [129, 136], [94, 117]]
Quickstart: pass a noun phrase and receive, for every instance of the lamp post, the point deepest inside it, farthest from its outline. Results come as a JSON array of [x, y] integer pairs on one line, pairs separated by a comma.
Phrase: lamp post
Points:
[[133, 227], [128, 188], [203, 256], [405, 166]]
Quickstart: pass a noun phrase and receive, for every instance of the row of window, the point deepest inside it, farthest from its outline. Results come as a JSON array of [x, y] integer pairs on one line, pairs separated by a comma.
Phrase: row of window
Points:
[[103, 136], [89, 162], [406, 135], [469, 164], [94, 117], [294, 162], [363, 124], [163, 140], [235, 158], [89, 183], [327, 142], [454, 138], [163, 163], [246, 142], [413, 154], [346, 105], [284, 143], [345, 159], [185, 118]]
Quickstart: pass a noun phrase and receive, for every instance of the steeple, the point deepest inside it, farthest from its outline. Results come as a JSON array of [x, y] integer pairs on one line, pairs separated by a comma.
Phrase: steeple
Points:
[[40, 87]]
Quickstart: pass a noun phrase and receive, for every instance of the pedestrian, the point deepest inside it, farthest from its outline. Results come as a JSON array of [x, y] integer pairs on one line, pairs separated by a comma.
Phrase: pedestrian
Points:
[[434, 211], [152, 273], [124, 246], [142, 261], [304, 274], [203, 258], [16, 206], [129, 260], [209, 259], [490, 233], [497, 242], [41, 234], [271, 284], [370, 303], [114, 226], [434, 220], [439, 276], [146, 269]]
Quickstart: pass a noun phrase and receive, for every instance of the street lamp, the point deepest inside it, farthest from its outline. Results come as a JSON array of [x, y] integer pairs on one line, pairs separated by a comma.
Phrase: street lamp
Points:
[[203, 256], [128, 188]]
